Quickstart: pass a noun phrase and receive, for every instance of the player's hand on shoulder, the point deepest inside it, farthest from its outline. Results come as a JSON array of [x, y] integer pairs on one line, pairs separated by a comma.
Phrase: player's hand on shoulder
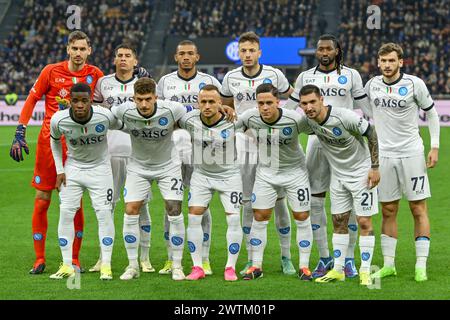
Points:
[[432, 158], [60, 180], [230, 114], [18, 143]]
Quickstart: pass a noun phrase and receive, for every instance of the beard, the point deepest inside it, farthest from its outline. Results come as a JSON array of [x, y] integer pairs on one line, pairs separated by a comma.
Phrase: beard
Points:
[[327, 62]]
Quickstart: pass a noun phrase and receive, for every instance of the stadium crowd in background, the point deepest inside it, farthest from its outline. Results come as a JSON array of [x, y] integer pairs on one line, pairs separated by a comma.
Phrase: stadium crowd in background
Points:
[[40, 36], [421, 27], [230, 18]]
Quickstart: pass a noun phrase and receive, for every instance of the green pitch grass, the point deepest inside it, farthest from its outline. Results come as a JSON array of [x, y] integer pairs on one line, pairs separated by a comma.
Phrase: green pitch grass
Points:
[[17, 255]]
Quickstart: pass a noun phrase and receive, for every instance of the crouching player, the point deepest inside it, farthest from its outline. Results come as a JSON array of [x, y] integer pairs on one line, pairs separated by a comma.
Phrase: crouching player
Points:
[[354, 176], [215, 169], [283, 171], [87, 167]]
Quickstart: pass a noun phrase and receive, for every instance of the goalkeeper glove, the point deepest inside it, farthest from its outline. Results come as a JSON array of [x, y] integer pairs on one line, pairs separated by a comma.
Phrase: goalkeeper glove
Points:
[[141, 72], [19, 143]]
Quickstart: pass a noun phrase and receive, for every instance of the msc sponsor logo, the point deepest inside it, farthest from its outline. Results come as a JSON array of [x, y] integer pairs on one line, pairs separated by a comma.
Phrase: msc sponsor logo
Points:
[[333, 92], [389, 103]]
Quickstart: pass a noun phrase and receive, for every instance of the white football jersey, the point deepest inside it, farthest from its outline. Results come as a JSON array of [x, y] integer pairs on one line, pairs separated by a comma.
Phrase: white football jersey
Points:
[[242, 87], [87, 145], [111, 91], [151, 137], [343, 90], [341, 137], [280, 139], [395, 109], [173, 87], [214, 151]]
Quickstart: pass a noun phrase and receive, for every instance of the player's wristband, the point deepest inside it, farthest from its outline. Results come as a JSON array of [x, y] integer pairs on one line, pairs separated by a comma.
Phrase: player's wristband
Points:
[[375, 166]]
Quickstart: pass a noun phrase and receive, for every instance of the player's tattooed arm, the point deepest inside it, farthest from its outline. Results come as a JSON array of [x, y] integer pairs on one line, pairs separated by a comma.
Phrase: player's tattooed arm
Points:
[[373, 146], [374, 175]]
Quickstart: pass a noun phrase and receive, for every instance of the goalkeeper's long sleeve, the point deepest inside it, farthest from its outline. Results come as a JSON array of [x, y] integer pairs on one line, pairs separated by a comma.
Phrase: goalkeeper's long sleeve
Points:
[[57, 154], [27, 110]]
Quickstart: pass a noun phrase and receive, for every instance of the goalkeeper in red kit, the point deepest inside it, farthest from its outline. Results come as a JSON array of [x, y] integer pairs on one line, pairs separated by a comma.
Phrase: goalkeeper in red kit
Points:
[[54, 82]]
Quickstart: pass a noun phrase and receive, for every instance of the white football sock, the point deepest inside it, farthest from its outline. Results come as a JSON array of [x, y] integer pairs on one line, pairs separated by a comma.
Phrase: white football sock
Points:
[[176, 235], [353, 235], [166, 236], [422, 251], [66, 233], [283, 224], [366, 245], [304, 241], [206, 227], [106, 234], [145, 224], [247, 219], [340, 245], [319, 225], [131, 237], [234, 239], [388, 245], [195, 237], [258, 241]]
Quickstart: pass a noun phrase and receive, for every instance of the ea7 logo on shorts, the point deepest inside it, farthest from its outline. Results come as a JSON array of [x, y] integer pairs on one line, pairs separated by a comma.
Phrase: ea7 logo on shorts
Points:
[[337, 131], [255, 242], [99, 128], [163, 121], [287, 131]]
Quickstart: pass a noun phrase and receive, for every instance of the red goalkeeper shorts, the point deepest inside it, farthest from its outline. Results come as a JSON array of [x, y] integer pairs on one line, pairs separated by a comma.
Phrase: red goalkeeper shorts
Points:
[[44, 177]]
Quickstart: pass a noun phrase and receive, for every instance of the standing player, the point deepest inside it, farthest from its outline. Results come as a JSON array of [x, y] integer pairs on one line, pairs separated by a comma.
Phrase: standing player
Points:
[[87, 167], [151, 123], [215, 169], [239, 90], [341, 87], [54, 82], [115, 89], [395, 99], [277, 131], [354, 176], [183, 86]]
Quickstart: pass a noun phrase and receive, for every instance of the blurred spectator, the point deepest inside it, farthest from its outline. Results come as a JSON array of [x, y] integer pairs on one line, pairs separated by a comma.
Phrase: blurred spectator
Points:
[[422, 28], [40, 36], [230, 18]]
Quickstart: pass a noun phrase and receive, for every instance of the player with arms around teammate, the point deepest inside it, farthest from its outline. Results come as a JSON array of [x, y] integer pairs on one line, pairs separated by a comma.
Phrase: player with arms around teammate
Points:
[[115, 89], [239, 90], [54, 82], [151, 123], [354, 175], [395, 99], [183, 86], [281, 169], [87, 167], [215, 169], [340, 87]]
